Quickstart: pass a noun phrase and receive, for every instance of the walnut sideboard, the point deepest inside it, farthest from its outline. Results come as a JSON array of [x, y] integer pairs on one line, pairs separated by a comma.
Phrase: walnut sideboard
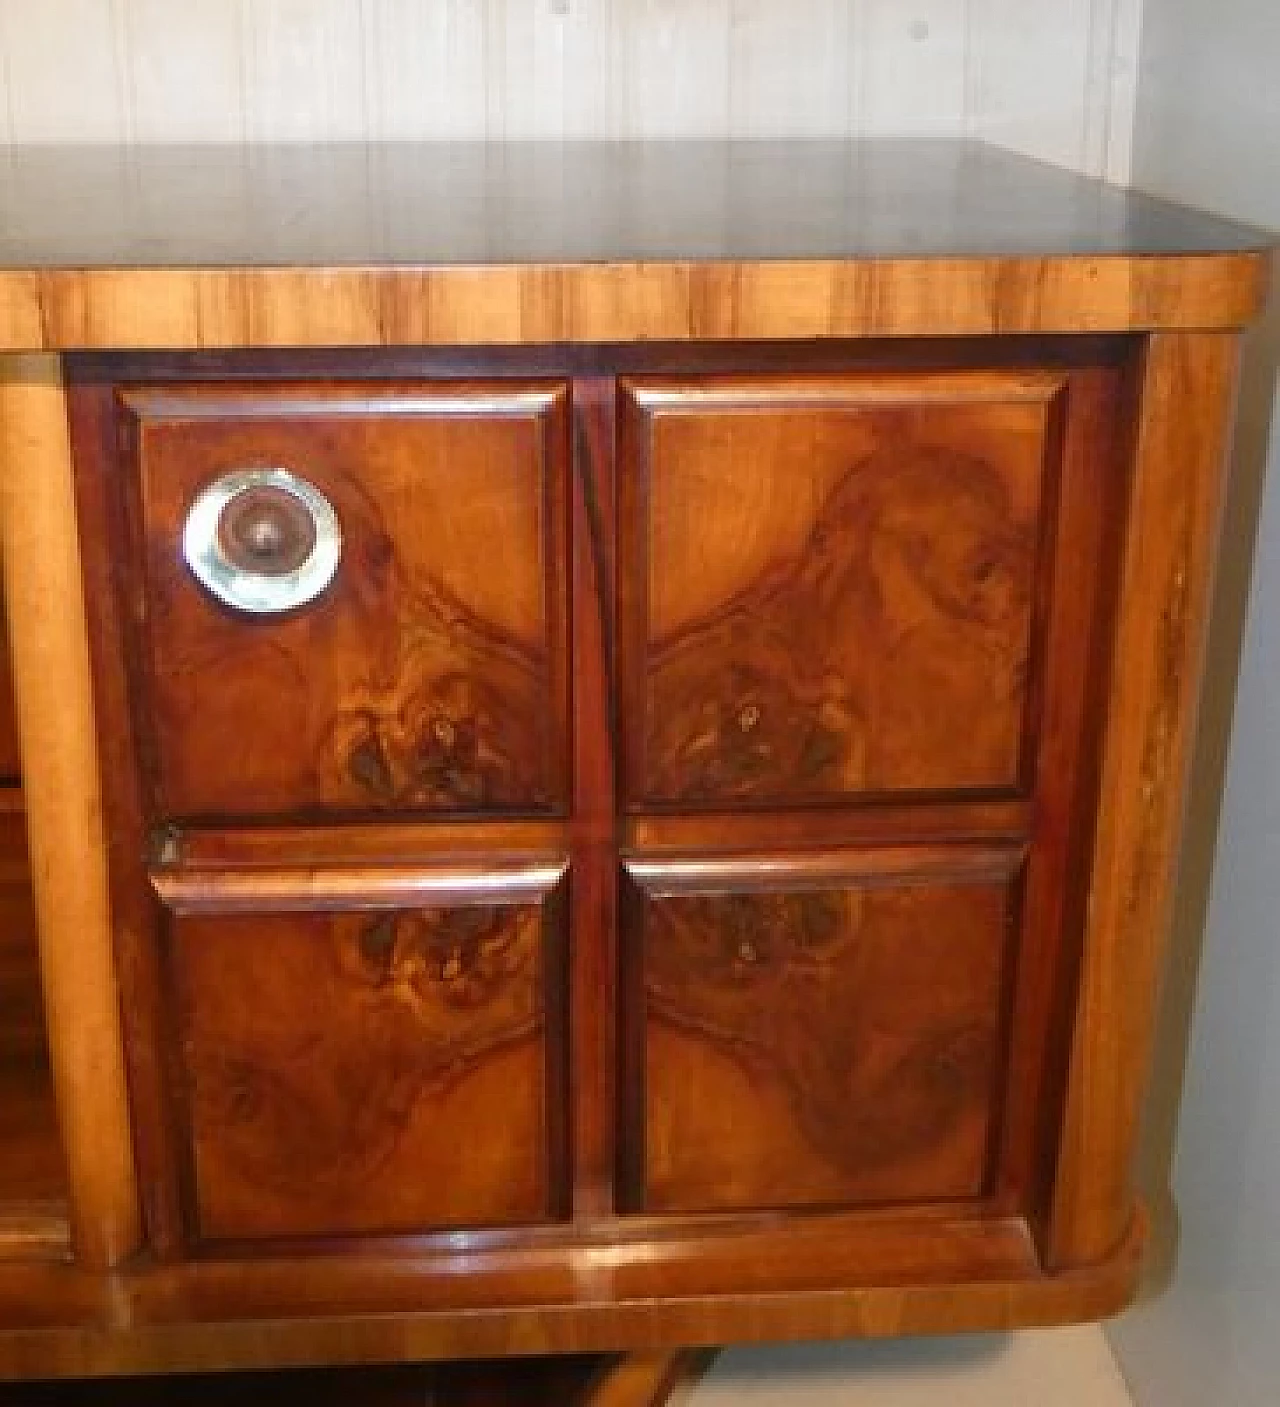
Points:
[[601, 735]]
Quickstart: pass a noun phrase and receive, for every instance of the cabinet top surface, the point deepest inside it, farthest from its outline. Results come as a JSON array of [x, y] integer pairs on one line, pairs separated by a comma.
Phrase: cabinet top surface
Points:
[[190, 247], [592, 202]]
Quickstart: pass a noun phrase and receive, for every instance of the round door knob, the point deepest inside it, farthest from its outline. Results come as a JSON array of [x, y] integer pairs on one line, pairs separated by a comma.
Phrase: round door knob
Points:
[[262, 540]]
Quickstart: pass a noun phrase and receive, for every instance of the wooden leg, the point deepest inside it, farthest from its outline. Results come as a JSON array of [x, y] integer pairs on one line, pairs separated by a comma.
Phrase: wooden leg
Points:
[[645, 1379], [585, 1380]]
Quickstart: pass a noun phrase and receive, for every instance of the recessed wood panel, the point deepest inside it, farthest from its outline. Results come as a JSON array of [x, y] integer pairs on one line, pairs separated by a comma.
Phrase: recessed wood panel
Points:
[[371, 1070], [832, 583], [431, 676], [818, 1039]]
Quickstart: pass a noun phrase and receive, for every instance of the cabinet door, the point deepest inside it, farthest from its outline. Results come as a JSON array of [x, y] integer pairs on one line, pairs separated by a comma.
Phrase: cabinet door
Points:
[[391, 1064], [431, 675], [859, 616], [831, 1036], [831, 584]]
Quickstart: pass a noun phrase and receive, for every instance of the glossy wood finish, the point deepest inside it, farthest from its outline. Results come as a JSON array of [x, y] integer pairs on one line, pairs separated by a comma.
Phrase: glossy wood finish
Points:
[[432, 675], [250, 901], [1179, 484], [937, 631], [601, 978], [48, 643], [185, 1320], [260, 248], [365, 1071], [437, 245], [828, 581], [807, 1045]]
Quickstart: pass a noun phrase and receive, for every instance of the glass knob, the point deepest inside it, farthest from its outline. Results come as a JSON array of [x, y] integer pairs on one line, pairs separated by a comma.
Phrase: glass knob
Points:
[[263, 541]]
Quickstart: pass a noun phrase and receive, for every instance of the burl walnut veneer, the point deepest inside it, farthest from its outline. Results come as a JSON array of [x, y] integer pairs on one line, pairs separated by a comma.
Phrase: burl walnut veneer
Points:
[[602, 737]]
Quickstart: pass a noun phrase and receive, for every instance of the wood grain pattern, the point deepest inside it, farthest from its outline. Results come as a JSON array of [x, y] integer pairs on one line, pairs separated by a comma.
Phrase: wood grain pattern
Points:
[[779, 968], [829, 582], [680, 300], [183, 1318], [594, 893], [451, 245], [432, 675], [1180, 465], [822, 1045], [48, 642], [369, 1071]]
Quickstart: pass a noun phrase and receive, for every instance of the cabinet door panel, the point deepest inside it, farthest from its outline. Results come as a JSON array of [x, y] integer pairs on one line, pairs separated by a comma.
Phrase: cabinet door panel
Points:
[[832, 583], [431, 676], [831, 1045], [377, 1070]]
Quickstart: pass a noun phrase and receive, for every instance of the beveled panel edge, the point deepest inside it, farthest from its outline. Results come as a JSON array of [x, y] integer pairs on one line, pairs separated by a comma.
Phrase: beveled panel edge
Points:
[[231, 396], [310, 888], [959, 862], [204, 307], [675, 394]]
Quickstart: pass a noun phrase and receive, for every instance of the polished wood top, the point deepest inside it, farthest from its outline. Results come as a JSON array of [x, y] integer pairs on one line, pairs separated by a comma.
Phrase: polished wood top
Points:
[[559, 242], [531, 202]]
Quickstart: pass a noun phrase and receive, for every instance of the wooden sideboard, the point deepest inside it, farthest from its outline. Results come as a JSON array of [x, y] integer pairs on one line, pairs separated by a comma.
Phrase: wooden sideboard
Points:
[[603, 732]]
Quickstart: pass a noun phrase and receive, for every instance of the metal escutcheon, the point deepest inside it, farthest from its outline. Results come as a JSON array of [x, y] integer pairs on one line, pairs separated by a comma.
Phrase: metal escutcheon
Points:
[[263, 541]]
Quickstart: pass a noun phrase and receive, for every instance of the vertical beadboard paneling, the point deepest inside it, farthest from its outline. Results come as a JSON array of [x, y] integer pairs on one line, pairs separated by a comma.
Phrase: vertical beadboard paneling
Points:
[[1029, 76], [770, 46], [304, 70], [183, 70], [1051, 77], [914, 78], [61, 58], [6, 113], [554, 59], [1120, 98], [676, 76], [427, 69]]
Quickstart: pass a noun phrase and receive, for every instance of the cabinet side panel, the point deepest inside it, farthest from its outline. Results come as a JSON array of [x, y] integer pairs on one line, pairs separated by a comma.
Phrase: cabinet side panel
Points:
[[1186, 392]]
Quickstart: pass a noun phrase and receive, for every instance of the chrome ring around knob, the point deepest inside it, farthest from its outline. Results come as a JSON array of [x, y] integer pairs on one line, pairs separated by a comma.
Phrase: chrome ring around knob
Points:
[[263, 541]]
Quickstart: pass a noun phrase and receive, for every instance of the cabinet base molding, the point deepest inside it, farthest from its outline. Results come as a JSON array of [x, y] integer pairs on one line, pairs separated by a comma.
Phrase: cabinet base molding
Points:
[[146, 1322]]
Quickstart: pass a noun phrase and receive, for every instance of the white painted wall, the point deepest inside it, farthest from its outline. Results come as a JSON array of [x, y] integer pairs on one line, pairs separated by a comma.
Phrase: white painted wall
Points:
[[1052, 77], [1208, 131]]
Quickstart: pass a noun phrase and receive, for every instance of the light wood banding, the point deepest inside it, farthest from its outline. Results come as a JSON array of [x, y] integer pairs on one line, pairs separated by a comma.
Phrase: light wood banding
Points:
[[56, 727]]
